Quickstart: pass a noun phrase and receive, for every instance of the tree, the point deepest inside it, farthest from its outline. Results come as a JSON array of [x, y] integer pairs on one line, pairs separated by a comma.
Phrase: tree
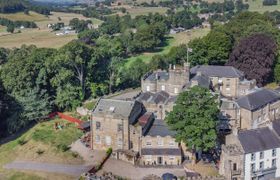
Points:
[[3, 55], [79, 25], [11, 28], [27, 82], [148, 37], [196, 128], [212, 49], [36, 105], [255, 56], [3, 109], [71, 68]]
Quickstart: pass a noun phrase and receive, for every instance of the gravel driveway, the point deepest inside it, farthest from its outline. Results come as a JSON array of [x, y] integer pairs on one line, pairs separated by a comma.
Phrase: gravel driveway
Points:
[[74, 170], [127, 170]]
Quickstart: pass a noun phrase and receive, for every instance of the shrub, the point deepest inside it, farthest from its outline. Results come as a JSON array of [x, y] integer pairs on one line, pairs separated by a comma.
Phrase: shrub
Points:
[[109, 151], [98, 167], [63, 147], [22, 141], [75, 155], [40, 151]]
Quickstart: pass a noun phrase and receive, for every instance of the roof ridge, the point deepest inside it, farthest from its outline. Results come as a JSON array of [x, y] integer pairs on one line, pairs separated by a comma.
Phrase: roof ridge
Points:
[[118, 100], [256, 129]]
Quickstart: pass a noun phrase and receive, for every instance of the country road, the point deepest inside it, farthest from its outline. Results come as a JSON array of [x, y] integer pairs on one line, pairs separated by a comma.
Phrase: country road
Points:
[[74, 170]]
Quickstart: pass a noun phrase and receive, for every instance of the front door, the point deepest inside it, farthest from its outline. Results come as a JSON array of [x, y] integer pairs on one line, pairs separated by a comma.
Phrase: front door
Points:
[[159, 160]]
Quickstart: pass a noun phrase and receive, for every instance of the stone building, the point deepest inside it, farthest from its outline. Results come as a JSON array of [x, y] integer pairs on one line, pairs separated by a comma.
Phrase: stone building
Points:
[[254, 110], [172, 81], [227, 80], [159, 103], [130, 131], [252, 154], [158, 146], [112, 124]]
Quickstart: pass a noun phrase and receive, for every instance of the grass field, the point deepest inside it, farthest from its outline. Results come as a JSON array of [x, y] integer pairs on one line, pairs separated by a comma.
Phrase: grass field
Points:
[[23, 17], [96, 21], [45, 138], [136, 11], [2, 29], [256, 5], [173, 40], [41, 37]]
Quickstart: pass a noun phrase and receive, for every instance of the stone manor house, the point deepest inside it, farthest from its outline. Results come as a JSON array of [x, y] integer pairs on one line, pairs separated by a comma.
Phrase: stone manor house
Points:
[[137, 132]]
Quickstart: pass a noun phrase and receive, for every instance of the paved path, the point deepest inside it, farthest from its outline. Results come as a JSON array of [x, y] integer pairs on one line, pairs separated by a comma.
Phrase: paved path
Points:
[[90, 157], [74, 170], [127, 170]]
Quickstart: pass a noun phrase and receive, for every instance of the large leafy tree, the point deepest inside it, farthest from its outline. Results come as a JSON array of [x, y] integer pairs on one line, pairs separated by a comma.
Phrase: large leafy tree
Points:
[[3, 55], [215, 47], [194, 118], [255, 56], [27, 82], [212, 49], [3, 109]]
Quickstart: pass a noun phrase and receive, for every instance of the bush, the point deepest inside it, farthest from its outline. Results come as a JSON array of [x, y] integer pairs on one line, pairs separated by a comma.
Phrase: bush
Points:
[[109, 151], [75, 155], [22, 142], [63, 147], [40, 151]]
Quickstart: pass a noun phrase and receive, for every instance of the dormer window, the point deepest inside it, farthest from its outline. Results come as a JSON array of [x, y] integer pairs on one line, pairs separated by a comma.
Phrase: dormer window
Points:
[[112, 109]]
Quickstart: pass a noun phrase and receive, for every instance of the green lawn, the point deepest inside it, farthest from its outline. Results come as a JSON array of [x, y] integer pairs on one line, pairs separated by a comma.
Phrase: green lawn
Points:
[[45, 139], [136, 11], [42, 36], [256, 5], [96, 21], [20, 16], [173, 40]]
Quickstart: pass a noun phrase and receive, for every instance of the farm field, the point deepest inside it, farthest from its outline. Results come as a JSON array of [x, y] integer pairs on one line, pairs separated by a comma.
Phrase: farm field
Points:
[[174, 40], [20, 16], [42, 137], [256, 5], [136, 11], [42, 36]]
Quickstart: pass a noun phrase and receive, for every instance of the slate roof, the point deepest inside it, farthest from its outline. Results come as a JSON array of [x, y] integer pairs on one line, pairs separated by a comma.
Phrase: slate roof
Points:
[[116, 108], [217, 71], [161, 97], [276, 126], [161, 151], [159, 128], [159, 75], [258, 99], [260, 139], [202, 80], [85, 125]]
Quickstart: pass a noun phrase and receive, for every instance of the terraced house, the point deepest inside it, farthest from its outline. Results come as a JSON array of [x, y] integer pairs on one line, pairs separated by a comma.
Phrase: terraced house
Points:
[[254, 110], [134, 135], [228, 81], [172, 81], [252, 154]]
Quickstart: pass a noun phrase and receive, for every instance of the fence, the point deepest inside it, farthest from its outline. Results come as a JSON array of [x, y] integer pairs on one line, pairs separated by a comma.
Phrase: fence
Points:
[[66, 117]]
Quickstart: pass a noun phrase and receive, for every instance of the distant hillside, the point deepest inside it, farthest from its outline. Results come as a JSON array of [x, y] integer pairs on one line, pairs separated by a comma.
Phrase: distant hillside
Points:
[[65, 1], [13, 6]]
